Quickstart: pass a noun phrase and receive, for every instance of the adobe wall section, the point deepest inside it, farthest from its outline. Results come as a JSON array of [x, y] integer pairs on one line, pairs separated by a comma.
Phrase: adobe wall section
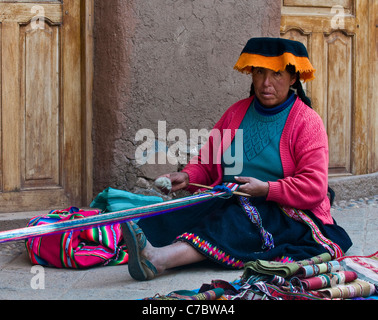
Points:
[[166, 61]]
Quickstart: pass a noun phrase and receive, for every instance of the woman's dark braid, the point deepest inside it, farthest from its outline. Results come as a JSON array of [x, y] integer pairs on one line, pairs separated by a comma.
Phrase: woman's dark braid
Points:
[[300, 92], [252, 93]]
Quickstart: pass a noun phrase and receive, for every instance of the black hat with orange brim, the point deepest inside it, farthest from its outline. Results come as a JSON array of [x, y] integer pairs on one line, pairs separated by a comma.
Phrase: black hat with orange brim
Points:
[[276, 54]]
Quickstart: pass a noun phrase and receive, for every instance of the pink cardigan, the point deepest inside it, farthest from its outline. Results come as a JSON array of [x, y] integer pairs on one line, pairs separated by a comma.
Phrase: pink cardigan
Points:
[[304, 155]]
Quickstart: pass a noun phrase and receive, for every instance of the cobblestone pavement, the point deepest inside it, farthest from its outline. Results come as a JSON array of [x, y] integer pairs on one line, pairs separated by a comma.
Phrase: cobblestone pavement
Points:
[[12, 248], [359, 203], [359, 217]]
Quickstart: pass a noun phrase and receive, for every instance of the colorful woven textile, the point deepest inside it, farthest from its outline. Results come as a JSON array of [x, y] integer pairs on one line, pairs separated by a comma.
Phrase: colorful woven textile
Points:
[[366, 267], [325, 280], [262, 282], [216, 290], [209, 295], [357, 288], [212, 251], [76, 249], [279, 268], [274, 288], [254, 216], [334, 249], [319, 268], [273, 292], [313, 279]]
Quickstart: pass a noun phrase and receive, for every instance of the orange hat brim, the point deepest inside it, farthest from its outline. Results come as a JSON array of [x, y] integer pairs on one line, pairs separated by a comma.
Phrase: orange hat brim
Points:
[[276, 63]]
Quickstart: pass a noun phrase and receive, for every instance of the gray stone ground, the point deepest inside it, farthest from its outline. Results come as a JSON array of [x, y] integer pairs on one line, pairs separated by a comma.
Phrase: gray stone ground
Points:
[[18, 279]]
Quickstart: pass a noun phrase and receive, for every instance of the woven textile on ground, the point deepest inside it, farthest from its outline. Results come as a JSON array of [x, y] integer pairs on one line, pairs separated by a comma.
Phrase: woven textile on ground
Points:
[[76, 249], [318, 278]]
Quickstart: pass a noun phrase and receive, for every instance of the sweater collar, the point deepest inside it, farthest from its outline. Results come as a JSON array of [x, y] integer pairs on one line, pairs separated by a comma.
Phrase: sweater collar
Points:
[[273, 111]]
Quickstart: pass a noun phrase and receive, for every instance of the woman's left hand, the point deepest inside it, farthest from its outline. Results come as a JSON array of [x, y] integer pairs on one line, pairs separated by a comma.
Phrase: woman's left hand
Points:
[[253, 187]]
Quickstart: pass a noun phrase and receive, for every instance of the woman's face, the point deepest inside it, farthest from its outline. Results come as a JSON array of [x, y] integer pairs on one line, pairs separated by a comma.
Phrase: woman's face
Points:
[[272, 88]]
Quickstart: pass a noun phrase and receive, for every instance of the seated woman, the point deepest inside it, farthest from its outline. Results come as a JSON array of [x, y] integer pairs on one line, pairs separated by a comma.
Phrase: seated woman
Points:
[[283, 168]]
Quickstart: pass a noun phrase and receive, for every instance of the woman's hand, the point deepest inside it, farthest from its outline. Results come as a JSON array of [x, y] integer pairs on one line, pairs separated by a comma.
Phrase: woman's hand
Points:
[[253, 187], [179, 180]]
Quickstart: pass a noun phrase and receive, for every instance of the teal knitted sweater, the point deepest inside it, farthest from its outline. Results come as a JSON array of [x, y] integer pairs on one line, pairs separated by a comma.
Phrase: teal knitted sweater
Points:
[[259, 155]]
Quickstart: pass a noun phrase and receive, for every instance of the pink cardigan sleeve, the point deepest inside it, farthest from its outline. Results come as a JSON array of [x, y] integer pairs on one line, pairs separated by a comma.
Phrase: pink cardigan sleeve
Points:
[[307, 188]]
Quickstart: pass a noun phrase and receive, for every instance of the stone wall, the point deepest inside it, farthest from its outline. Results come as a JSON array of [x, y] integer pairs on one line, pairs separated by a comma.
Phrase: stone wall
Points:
[[169, 61]]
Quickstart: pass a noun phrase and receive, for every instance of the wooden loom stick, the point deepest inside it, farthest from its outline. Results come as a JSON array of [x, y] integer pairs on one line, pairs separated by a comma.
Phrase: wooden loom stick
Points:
[[211, 188], [104, 219]]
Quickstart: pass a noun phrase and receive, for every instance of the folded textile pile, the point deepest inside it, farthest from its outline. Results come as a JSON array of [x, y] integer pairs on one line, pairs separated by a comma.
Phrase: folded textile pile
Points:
[[318, 278], [282, 269]]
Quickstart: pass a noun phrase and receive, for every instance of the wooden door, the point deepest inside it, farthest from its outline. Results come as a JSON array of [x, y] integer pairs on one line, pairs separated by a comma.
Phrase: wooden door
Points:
[[336, 33], [44, 125]]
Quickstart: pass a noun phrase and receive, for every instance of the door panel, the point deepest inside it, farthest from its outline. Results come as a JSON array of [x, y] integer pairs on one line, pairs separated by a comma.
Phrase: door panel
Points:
[[40, 105], [336, 35], [41, 158], [339, 99]]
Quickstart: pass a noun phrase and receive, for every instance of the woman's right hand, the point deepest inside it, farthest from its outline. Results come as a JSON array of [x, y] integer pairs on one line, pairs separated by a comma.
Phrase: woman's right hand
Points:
[[179, 180]]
